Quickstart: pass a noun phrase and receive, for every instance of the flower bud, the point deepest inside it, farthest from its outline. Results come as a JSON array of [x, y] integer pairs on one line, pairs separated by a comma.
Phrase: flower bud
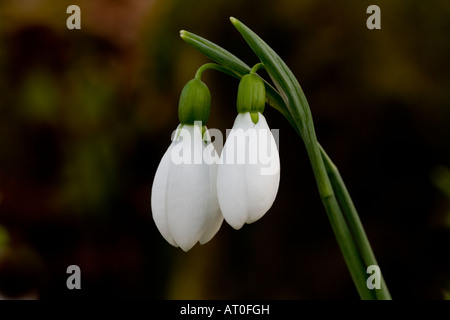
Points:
[[251, 96], [195, 103]]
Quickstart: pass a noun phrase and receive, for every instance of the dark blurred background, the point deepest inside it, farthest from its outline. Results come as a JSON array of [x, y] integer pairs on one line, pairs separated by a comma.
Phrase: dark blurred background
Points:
[[86, 115]]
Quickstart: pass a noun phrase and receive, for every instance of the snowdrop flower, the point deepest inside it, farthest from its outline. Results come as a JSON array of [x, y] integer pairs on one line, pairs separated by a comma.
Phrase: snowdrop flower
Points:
[[184, 198], [249, 166]]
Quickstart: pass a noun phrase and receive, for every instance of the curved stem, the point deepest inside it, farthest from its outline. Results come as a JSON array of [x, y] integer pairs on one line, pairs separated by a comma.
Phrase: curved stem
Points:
[[256, 67], [212, 66]]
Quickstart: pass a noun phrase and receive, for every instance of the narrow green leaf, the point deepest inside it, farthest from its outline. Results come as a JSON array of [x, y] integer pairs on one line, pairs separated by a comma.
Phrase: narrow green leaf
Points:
[[281, 75], [296, 103], [294, 98], [353, 220], [216, 53]]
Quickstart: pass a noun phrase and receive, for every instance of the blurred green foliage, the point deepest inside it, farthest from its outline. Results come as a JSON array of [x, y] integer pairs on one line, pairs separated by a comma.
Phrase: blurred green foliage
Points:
[[4, 238]]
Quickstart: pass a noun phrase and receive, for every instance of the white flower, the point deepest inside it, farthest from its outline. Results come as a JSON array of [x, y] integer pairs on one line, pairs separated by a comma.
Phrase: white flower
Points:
[[184, 198], [249, 171]]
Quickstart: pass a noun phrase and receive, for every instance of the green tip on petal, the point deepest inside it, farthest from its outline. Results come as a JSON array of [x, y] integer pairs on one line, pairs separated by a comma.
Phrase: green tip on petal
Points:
[[255, 117]]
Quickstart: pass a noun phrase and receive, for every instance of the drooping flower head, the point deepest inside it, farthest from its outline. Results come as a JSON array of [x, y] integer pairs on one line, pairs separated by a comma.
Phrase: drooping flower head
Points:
[[184, 198], [249, 166]]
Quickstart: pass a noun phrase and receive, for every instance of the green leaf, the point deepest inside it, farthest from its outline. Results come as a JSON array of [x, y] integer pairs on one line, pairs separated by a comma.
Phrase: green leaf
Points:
[[216, 53], [294, 98], [4, 237], [281, 75], [352, 218], [298, 107]]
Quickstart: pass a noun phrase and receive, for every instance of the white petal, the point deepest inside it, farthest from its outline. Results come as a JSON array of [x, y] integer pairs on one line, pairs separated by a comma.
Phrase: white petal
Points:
[[244, 121], [158, 197], [187, 204], [245, 193], [193, 213], [184, 198], [215, 217], [231, 181], [263, 179], [262, 191], [232, 194]]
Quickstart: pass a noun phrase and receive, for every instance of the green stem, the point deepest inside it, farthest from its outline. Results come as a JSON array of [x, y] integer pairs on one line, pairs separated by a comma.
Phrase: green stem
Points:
[[353, 221], [212, 66], [256, 67], [349, 249]]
